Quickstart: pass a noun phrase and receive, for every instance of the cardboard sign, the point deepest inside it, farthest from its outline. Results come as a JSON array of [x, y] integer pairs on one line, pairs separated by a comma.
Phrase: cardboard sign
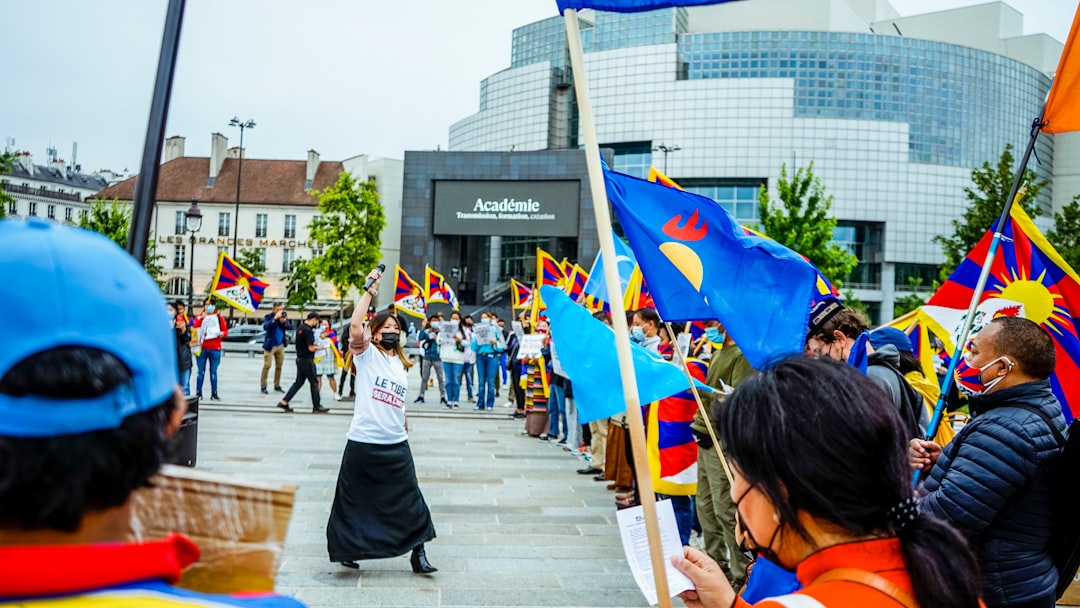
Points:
[[531, 346], [483, 333]]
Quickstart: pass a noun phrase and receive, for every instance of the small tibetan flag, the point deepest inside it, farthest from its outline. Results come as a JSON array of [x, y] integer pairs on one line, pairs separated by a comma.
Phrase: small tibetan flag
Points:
[[234, 284]]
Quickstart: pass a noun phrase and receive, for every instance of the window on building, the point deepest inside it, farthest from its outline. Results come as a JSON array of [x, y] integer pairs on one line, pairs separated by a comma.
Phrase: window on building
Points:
[[922, 274], [68, 211], [287, 257], [260, 225], [632, 158], [33, 208], [51, 210], [84, 213], [13, 208], [737, 195], [519, 257], [262, 255], [221, 249], [181, 223], [866, 241], [176, 286], [179, 259], [224, 223], [290, 226]]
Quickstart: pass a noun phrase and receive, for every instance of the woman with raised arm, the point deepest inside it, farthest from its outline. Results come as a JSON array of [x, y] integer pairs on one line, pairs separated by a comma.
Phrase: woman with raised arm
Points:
[[378, 509], [822, 487]]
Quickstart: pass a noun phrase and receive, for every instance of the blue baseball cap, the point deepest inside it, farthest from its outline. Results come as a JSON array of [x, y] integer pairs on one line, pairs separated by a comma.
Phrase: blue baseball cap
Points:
[[890, 335], [74, 287]]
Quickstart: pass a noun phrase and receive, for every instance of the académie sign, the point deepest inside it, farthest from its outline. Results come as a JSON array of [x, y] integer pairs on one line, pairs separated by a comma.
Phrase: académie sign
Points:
[[507, 207]]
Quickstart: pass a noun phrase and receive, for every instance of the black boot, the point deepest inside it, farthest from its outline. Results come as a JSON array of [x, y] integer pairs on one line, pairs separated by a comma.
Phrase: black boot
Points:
[[419, 562]]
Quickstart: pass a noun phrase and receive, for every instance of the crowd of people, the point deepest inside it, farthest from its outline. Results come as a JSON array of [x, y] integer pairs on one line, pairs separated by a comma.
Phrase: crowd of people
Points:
[[804, 498]]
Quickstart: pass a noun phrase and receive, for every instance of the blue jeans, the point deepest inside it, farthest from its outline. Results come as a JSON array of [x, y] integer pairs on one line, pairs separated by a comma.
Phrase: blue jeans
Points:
[[466, 374], [684, 514], [185, 381], [502, 366], [486, 368], [453, 381], [214, 357], [556, 410]]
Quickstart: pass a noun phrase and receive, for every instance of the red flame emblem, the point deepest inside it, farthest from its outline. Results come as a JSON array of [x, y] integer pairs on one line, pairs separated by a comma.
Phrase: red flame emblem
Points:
[[689, 231], [1008, 311]]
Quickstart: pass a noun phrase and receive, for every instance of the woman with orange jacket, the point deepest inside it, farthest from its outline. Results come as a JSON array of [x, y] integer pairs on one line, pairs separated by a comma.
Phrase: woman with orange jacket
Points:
[[822, 487]]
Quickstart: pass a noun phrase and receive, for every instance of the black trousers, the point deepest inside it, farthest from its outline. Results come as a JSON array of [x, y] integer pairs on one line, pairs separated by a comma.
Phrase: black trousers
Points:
[[305, 372]]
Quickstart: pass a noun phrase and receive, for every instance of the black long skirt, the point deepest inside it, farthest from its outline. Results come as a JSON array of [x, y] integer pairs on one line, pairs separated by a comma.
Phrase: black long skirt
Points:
[[378, 508]]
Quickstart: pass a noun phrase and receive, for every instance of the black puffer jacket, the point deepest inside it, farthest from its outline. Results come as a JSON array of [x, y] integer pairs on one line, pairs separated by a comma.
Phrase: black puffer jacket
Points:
[[991, 483]]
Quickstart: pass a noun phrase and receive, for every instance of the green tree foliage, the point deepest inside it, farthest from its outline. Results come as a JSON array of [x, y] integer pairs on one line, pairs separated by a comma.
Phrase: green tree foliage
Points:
[[1065, 236], [114, 221], [985, 202], [800, 221], [908, 303], [349, 226], [854, 303], [300, 284], [252, 260], [7, 161]]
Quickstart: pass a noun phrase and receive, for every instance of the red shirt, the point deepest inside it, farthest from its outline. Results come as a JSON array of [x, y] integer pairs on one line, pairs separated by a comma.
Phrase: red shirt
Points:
[[213, 343]]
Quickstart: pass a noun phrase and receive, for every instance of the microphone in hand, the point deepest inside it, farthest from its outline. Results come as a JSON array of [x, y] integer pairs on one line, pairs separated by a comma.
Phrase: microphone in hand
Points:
[[371, 279]]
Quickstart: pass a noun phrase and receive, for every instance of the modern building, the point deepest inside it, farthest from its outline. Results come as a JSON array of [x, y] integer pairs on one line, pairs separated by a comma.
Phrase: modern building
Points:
[[57, 191], [275, 209], [893, 112]]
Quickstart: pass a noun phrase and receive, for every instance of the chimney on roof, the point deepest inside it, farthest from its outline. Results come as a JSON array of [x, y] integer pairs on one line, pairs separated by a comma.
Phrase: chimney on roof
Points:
[[174, 148], [27, 162], [312, 168], [234, 152], [58, 164], [218, 145]]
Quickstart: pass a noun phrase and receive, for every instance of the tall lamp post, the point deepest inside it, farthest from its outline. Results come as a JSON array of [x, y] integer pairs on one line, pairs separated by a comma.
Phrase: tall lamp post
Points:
[[666, 150], [193, 220], [248, 124]]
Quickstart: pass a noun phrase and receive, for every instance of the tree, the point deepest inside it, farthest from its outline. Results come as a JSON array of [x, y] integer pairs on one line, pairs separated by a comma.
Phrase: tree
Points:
[[349, 226], [252, 260], [985, 202], [908, 303], [854, 303], [7, 161], [1065, 236], [301, 288], [114, 221], [801, 222]]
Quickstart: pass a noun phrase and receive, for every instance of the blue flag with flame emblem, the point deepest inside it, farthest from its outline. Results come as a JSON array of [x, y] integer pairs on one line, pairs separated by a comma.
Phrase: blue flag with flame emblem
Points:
[[701, 264]]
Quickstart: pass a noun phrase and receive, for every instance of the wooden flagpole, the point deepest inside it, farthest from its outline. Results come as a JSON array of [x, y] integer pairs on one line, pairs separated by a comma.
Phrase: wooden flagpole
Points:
[[618, 312]]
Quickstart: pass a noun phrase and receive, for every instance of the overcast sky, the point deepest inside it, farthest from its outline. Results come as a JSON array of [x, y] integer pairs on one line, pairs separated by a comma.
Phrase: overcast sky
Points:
[[344, 77]]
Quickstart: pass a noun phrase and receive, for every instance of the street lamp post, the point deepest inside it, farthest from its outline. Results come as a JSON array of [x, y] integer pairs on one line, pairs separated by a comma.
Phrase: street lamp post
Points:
[[193, 220], [248, 124], [666, 150]]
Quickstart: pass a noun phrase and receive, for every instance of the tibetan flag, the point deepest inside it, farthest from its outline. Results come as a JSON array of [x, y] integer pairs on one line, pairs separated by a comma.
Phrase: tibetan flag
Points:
[[408, 295], [672, 450], [637, 293], [656, 177], [567, 268], [587, 354], [701, 264], [575, 286], [520, 295], [548, 272], [1028, 279], [1062, 113], [433, 284], [631, 6], [234, 284], [595, 287], [450, 296]]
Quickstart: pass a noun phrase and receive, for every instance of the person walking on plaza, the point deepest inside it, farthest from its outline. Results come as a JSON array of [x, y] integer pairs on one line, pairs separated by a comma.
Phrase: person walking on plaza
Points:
[[993, 481], [378, 509], [452, 355], [211, 328], [305, 366], [348, 372], [325, 359], [429, 342], [466, 330], [276, 325], [89, 406], [487, 361]]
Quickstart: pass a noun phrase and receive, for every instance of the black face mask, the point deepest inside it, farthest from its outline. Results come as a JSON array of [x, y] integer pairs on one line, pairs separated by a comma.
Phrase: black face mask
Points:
[[765, 551], [389, 341]]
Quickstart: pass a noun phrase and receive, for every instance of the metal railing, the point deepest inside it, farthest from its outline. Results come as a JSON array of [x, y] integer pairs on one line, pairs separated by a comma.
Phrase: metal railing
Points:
[[21, 189]]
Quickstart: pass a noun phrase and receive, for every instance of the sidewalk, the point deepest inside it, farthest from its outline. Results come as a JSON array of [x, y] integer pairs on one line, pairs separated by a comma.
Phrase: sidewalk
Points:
[[516, 525]]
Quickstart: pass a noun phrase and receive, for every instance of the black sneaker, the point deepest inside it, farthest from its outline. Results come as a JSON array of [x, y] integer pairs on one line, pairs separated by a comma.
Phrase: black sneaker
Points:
[[278, 389], [320, 410], [419, 400], [199, 395], [264, 391], [214, 397]]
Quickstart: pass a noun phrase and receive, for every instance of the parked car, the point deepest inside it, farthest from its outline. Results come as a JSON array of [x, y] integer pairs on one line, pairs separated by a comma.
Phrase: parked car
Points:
[[249, 334]]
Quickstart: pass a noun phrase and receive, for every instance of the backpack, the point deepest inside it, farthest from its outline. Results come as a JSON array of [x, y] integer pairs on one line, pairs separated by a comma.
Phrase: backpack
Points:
[[911, 402], [1065, 536]]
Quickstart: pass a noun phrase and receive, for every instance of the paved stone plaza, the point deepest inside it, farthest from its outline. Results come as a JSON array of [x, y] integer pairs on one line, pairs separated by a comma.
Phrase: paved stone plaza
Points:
[[516, 525]]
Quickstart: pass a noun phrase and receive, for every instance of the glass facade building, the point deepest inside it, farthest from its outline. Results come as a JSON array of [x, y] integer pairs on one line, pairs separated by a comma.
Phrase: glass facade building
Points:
[[893, 124]]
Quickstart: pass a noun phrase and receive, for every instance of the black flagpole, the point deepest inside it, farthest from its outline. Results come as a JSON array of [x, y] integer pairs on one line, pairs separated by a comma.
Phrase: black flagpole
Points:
[[146, 183]]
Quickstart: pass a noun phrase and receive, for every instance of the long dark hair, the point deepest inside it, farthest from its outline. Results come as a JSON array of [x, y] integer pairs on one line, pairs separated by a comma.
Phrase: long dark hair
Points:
[[817, 436], [377, 323]]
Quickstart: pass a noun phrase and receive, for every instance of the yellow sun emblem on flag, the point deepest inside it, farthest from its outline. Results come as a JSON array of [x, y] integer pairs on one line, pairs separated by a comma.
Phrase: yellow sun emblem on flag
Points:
[[1040, 305]]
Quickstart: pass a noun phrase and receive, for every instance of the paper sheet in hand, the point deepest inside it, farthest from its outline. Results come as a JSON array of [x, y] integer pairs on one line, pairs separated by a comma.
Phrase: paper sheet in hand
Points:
[[683, 340], [635, 542], [447, 331], [483, 334], [531, 346]]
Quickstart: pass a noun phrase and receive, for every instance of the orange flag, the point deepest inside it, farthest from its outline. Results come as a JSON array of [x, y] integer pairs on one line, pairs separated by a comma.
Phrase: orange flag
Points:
[[1062, 112]]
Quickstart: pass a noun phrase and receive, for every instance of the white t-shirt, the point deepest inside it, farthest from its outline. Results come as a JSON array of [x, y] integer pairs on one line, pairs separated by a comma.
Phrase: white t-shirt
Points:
[[379, 412]]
